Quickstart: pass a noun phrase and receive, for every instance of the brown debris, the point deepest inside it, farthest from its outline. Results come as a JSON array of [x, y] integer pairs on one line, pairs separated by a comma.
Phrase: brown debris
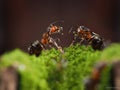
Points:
[[116, 75], [9, 79]]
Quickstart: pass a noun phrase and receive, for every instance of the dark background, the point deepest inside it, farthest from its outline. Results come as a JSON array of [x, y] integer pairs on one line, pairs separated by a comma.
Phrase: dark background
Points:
[[24, 21]]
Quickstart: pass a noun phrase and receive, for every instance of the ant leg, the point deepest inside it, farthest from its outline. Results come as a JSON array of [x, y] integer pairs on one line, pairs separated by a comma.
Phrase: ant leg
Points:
[[82, 39], [43, 47], [53, 42], [58, 47], [57, 39], [73, 41], [50, 45], [90, 40], [61, 30]]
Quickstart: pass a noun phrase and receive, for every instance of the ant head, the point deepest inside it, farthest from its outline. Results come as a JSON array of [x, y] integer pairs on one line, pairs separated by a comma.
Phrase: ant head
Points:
[[56, 24], [77, 28], [84, 28]]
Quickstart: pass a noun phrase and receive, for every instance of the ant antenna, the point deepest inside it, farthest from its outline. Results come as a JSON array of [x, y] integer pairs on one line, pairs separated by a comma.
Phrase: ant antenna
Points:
[[71, 29], [56, 22]]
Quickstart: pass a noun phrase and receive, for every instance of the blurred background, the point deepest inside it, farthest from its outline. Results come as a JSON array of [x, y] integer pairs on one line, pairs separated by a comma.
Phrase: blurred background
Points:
[[24, 21]]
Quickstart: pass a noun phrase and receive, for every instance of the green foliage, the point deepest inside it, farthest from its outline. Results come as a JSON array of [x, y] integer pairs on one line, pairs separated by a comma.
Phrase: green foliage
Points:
[[105, 80], [111, 53], [55, 71]]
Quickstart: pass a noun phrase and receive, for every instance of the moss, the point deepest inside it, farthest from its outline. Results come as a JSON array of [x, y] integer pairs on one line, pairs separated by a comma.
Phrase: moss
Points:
[[111, 53], [53, 71], [105, 80]]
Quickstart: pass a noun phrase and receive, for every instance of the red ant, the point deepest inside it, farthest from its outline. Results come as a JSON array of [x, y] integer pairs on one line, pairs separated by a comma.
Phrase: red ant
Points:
[[84, 34], [48, 40], [37, 46]]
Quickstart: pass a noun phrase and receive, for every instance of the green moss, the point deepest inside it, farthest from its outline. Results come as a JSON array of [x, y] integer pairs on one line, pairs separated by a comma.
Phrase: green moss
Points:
[[53, 71], [105, 80], [111, 53]]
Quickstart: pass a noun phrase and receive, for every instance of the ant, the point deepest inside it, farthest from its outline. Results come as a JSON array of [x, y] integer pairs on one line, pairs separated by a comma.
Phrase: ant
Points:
[[82, 33], [37, 46], [47, 40]]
